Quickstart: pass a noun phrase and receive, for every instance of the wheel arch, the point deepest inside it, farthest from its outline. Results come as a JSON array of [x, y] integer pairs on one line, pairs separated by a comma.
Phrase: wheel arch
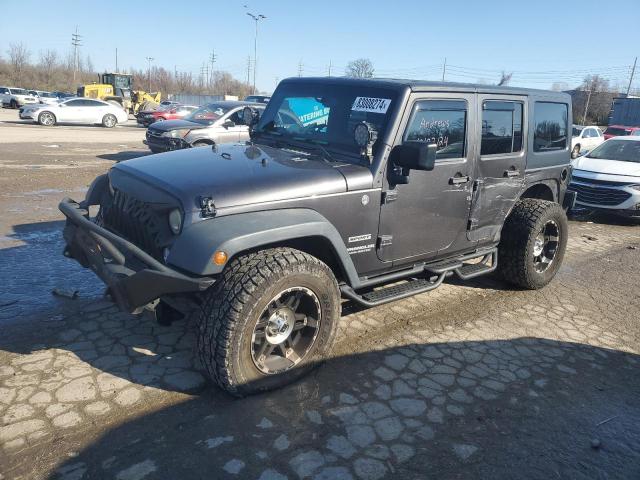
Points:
[[543, 190], [302, 229]]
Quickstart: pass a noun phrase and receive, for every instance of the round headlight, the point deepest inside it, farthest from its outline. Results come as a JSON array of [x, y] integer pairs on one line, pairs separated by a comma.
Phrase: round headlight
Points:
[[362, 134], [175, 220]]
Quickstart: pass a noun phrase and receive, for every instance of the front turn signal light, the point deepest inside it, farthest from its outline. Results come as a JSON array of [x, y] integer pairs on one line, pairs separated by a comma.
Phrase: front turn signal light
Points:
[[220, 258]]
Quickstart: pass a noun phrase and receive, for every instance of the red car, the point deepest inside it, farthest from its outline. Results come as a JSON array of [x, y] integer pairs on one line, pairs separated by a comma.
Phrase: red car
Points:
[[172, 112], [620, 131]]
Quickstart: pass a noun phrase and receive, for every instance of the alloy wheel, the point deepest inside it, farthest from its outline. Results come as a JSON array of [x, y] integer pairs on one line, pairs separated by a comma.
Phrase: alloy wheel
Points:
[[286, 330], [545, 246]]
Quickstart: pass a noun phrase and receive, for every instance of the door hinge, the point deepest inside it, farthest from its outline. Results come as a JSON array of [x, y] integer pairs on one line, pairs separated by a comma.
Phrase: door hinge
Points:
[[384, 241], [389, 196]]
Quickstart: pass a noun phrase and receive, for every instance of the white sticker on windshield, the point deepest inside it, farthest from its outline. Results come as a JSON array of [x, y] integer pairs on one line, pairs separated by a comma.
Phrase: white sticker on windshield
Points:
[[369, 104]]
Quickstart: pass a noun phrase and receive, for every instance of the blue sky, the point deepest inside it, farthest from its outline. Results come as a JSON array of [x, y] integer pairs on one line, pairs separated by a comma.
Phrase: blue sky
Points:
[[540, 41]]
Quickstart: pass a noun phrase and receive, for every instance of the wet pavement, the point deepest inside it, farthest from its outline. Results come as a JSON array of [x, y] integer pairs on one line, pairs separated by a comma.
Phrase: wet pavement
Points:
[[472, 380]]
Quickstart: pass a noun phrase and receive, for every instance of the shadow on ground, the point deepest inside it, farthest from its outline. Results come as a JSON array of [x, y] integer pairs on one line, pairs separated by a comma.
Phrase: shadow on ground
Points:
[[523, 408]]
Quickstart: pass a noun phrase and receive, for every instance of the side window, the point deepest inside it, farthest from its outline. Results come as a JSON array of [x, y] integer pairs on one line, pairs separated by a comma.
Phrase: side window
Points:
[[501, 127], [443, 122], [75, 103], [3, 90], [550, 131]]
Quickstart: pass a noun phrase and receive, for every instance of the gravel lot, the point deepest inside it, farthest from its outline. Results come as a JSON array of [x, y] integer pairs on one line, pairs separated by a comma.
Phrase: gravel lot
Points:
[[473, 380]]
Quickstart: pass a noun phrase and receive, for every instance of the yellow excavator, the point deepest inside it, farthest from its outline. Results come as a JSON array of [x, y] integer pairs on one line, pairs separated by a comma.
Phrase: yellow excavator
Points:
[[117, 88]]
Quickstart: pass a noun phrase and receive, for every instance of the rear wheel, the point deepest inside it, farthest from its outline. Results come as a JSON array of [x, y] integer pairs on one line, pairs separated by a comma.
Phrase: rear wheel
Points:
[[47, 119], [269, 321], [109, 120], [13, 104], [533, 242]]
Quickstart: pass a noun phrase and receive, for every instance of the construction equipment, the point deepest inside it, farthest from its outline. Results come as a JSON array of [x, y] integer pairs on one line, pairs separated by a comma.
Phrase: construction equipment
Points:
[[117, 88]]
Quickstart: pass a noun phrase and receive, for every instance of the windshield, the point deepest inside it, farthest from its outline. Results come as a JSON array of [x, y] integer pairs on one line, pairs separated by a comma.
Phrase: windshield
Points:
[[208, 113], [19, 91], [326, 115], [621, 150], [617, 131], [577, 131]]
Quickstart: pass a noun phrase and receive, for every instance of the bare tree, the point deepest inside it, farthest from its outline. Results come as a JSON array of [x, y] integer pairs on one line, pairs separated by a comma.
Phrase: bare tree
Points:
[[48, 63], [505, 78], [595, 83], [18, 59], [360, 68], [89, 65]]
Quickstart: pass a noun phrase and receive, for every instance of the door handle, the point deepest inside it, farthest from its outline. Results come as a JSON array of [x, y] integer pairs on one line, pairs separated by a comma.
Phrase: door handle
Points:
[[511, 173], [459, 179]]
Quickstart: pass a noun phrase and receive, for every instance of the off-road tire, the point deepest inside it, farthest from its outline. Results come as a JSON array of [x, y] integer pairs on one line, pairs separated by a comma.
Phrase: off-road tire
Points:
[[233, 306], [575, 153], [42, 119], [109, 120], [515, 252]]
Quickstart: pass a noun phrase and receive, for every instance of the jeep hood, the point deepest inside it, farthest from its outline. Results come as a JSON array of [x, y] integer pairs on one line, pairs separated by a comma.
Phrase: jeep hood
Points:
[[236, 175], [168, 125]]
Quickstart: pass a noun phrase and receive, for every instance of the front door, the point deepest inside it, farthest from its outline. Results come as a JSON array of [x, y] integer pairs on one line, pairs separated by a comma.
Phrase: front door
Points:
[[501, 163], [429, 214]]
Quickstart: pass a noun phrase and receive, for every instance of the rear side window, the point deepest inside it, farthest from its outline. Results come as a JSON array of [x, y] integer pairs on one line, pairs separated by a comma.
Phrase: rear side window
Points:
[[550, 131], [501, 127], [443, 122]]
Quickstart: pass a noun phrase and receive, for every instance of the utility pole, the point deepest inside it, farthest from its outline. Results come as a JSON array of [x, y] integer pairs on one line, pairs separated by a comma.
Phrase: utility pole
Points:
[[76, 41], [444, 68], [256, 18], [116, 59], [300, 68], [633, 70], [206, 76], [330, 67], [248, 69], [212, 59], [586, 108], [149, 60]]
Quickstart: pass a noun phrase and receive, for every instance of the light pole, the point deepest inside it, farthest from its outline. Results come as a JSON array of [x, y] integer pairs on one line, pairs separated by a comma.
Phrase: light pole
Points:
[[149, 60], [256, 18]]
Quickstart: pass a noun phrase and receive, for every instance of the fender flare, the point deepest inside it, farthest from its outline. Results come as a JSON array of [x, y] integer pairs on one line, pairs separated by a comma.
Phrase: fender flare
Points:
[[235, 234]]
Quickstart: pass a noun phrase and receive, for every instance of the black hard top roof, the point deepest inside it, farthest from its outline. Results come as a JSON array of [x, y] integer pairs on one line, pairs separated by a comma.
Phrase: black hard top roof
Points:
[[424, 86]]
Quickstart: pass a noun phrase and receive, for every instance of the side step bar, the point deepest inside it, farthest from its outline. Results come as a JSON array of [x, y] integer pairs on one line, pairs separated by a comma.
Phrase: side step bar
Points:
[[436, 273]]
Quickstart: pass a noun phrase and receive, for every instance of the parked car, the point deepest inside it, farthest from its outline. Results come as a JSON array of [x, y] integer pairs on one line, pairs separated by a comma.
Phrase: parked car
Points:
[[15, 97], [619, 131], [164, 112], [47, 98], [219, 122], [257, 98], [585, 139], [608, 178], [379, 190], [75, 110], [64, 95]]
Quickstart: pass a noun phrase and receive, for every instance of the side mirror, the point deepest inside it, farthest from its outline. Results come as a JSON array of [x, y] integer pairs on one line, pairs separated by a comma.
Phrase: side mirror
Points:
[[414, 156], [250, 116], [228, 124]]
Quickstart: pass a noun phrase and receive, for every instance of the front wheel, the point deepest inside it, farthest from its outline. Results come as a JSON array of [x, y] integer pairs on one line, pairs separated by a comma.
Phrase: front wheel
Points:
[[109, 120], [47, 119], [270, 319], [14, 104], [533, 242]]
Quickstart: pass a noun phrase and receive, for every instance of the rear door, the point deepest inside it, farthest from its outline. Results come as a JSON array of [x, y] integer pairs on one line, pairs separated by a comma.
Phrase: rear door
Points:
[[429, 214], [500, 165]]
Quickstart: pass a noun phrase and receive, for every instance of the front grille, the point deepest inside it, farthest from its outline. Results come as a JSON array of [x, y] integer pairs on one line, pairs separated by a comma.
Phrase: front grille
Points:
[[601, 182], [597, 195], [136, 221]]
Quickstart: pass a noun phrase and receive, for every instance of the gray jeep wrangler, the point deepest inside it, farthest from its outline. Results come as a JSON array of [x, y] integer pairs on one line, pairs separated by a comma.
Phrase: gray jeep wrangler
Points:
[[367, 190]]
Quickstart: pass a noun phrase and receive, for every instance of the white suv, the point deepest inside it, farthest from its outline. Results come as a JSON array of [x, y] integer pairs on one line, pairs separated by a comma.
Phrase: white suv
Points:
[[15, 97]]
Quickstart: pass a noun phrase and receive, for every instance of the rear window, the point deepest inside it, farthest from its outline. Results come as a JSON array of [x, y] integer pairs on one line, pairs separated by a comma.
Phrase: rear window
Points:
[[551, 126], [617, 131], [501, 127]]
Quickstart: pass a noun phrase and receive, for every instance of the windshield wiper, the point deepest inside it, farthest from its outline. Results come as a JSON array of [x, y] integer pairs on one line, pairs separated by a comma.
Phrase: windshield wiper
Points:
[[318, 147]]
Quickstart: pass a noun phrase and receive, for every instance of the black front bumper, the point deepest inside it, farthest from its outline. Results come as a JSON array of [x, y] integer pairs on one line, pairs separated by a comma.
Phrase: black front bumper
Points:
[[133, 277], [165, 144]]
